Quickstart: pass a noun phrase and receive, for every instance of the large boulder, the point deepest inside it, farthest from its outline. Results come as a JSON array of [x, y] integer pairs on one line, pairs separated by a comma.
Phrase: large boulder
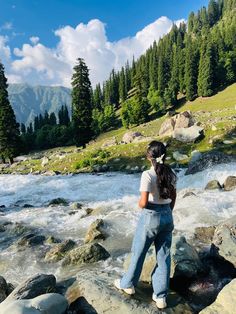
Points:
[[51, 303], [178, 156], [225, 240], [167, 127], [130, 136], [86, 254], [95, 231], [33, 287], [98, 289], [31, 240], [225, 302], [187, 135], [58, 202], [59, 251], [185, 260], [207, 160], [213, 185], [204, 234], [230, 183]]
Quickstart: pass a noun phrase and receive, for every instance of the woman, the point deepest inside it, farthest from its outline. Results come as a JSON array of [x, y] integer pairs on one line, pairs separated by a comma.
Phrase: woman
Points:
[[158, 194]]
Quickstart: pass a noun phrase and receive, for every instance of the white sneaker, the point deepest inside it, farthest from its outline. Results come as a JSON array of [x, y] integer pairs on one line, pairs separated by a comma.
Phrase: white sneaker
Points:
[[160, 302], [129, 291]]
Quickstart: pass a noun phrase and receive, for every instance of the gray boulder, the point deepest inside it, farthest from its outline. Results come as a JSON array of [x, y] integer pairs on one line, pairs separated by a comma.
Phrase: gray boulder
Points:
[[59, 251], [167, 127], [130, 136], [213, 185], [31, 240], [95, 231], [187, 135], [3, 289], [86, 254], [33, 287], [98, 289], [207, 160], [225, 239], [58, 202], [230, 183], [51, 303]]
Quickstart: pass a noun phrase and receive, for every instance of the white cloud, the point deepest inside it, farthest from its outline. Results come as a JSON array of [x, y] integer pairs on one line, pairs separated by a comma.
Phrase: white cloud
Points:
[[34, 39], [5, 52], [39, 64], [7, 26]]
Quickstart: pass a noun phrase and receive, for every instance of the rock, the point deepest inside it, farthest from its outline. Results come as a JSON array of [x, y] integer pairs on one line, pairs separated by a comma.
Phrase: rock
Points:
[[87, 253], [227, 142], [187, 135], [178, 156], [50, 303], [98, 289], [59, 251], [185, 260], [76, 205], [225, 302], [130, 136], [204, 234], [167, 127], [195, 155], [110, 142], [44, 161], [230, 183], [33, 287], [95, 231], [19, 229], [52, 239], [58, 202], [214, 128], [225, 240], [207, 160], [170, 113], [184, 120], [27, 206], [49, 173], [31, 240], [3, 289], [189, 194], [213, 185]]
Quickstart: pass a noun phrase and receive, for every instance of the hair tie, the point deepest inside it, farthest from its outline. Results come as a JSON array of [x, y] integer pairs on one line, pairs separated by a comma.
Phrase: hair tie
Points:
[[160, 159]]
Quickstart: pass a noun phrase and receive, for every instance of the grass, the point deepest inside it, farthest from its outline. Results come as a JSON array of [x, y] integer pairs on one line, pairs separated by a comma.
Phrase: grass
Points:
[[217, 110]]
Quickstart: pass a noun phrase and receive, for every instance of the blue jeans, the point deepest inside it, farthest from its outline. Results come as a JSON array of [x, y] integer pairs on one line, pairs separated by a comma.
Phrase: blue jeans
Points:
[[154, 225]]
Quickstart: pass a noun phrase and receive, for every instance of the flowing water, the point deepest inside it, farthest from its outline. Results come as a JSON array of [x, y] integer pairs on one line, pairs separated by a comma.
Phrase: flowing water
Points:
[[115, 196]]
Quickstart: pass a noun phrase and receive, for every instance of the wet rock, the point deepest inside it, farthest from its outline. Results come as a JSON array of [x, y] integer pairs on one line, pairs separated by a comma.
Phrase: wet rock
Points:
[[204, 234], [76, 205], [3, 289], [185, 260], [86, 254], [52, 239], [225, 240], [2, 206], [189, 194], [195, 155], [178, 156], [19, 229], [230, 183], [130, 136], [58, 202], [213, 185], [187, 135], [207, 160], [98, 290], [59, 251], [33, 287], [225, 302], [31, 240], [95, 231], [50, 303], [27, 206]]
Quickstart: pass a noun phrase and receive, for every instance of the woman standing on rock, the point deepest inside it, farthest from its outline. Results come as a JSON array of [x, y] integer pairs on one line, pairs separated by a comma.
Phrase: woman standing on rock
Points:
[[155, 225]]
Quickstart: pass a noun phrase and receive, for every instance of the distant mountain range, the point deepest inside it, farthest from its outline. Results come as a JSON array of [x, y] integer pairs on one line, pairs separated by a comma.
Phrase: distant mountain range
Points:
[[28, 101]]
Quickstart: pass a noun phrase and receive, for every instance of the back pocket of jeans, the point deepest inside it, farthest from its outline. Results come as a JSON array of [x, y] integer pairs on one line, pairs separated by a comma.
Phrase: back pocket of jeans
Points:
[[152, 220]]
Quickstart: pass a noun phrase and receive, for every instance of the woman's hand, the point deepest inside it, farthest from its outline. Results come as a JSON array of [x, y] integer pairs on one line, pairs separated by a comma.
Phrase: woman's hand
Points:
[[143, 199]]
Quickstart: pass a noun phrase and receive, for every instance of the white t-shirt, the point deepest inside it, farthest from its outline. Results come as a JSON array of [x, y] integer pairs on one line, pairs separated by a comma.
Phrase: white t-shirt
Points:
[[148, 183]]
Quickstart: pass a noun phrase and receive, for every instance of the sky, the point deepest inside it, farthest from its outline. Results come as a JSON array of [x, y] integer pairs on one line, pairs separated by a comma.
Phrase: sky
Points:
[[40, 40]]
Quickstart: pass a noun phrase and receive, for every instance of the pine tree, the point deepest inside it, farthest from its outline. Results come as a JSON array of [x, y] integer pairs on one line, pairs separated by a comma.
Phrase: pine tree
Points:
[[52, 119], [9, 128], [206, 70], [81, 104], [213, 12]]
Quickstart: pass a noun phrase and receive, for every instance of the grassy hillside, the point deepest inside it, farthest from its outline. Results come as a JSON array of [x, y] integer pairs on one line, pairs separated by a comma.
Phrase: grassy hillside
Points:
[[218, 110]]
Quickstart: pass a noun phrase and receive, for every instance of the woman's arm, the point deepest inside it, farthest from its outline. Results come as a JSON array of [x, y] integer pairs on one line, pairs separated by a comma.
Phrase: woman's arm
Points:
[[143, 199], [173, 198]]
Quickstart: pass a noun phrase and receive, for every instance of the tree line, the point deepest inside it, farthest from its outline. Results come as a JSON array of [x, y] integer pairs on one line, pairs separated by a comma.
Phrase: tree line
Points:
[[194, 59]]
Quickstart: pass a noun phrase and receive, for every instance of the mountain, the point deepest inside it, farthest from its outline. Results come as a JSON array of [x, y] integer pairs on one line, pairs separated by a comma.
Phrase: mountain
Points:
[[28, 101]]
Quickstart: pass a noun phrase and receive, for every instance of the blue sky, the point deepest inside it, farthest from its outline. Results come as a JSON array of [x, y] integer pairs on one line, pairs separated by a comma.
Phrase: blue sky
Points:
[[115, 21]]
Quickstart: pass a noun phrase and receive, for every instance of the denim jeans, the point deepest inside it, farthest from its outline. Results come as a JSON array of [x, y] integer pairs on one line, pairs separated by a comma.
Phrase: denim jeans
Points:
[[154, 225]]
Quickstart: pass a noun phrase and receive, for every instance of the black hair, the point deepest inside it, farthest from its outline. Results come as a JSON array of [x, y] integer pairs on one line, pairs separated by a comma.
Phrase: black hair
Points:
[[166, 178]]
